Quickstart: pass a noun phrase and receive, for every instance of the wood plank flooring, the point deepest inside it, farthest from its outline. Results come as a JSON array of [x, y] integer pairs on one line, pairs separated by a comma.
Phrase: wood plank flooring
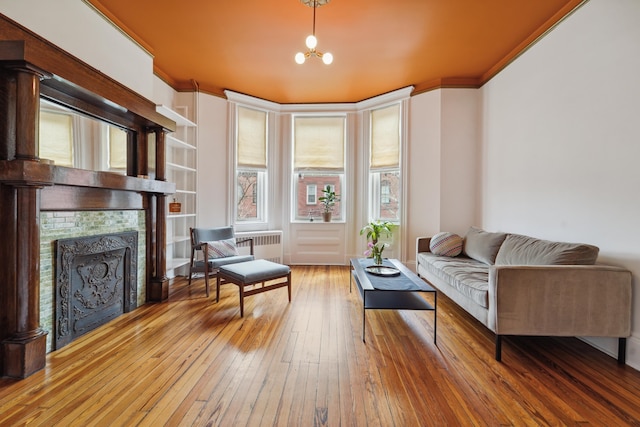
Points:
[[192, 362]]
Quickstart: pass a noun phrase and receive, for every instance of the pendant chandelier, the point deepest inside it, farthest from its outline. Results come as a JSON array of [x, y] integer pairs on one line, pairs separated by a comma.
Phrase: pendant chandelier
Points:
[[311, 40]]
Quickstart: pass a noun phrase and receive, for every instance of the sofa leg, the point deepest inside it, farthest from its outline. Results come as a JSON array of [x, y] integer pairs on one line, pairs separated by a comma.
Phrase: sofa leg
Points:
[[622, 351], [498, 347]]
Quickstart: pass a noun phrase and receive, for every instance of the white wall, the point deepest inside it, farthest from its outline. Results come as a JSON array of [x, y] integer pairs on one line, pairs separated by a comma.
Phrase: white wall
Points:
[[561, 141], [83, 33], [213, 162], [163, 94], [423, 169], [459, 159], [442, 164]]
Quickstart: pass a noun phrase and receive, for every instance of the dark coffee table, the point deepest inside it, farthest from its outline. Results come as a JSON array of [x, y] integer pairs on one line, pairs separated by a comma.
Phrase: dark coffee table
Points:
[[394, 292]]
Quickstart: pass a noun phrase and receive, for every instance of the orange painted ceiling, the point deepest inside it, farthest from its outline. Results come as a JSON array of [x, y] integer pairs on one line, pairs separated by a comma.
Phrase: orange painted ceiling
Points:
[[248, 46]]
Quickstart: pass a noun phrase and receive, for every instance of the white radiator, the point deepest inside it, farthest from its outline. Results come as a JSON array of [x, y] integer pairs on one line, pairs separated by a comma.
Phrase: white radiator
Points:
[[266, 244]]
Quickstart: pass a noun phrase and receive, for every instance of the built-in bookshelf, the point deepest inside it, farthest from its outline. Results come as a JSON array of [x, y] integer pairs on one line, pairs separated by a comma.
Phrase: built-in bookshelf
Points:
[[181, 168]]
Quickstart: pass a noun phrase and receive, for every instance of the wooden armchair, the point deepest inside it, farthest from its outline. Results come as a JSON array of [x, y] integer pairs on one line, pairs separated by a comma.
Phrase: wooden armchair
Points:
[[212, 248]]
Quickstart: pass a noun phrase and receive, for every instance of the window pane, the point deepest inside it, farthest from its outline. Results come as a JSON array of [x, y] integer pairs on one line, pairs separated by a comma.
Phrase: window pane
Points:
[[251, 165], [386, 202], [247, 195], [384, 165], [305, 210], [319, 153]]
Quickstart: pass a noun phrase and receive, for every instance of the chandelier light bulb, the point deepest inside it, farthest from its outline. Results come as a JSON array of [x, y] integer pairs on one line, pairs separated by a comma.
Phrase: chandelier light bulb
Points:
[[327, 58], [311, 42], [300, 58]]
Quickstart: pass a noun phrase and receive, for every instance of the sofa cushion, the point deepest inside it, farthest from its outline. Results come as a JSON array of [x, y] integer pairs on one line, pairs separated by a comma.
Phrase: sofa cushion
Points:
[[482, 245], [525, 250], [466, 275], [446, 244]]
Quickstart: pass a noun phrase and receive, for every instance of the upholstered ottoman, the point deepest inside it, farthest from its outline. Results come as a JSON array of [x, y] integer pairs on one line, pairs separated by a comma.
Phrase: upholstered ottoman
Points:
[[251, 273]]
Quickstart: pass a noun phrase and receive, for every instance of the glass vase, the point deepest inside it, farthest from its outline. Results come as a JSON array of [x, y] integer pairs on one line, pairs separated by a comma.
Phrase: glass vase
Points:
[[377, 258]]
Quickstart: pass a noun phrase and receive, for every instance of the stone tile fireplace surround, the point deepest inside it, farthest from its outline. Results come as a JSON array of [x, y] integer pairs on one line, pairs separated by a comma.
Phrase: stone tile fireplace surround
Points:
[[66, 225]]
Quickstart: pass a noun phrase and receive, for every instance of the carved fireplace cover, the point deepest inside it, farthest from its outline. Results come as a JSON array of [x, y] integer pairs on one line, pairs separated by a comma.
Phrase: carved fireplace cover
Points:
[[96, 281]]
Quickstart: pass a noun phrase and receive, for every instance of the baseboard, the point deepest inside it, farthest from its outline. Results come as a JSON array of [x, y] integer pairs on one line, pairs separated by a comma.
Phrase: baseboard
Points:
[[610, 347]]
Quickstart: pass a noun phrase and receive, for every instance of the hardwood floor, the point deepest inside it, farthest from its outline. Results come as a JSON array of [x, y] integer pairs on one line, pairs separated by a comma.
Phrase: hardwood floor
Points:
[[190, 361]]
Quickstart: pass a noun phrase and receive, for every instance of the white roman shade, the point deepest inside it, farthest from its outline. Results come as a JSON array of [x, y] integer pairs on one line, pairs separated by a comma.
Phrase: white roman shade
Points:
[[117, 148], [385, 137], [252, 138], [56, 138], [319, 143]]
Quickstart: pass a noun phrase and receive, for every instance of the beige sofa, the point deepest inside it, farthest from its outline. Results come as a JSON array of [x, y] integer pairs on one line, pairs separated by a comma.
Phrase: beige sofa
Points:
[[520, 285]]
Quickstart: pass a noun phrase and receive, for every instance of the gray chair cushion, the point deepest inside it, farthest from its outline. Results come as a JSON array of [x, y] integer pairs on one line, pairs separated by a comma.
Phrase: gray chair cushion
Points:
[[218, 262], [254, 271]]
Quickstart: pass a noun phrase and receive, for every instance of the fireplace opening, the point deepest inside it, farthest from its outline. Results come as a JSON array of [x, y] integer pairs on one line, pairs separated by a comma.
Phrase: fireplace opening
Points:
[[96, 281]]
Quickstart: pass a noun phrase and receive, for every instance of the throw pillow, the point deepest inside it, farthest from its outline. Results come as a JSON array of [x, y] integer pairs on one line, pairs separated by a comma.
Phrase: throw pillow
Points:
[[482, 245], [222, 248], [446, 244]]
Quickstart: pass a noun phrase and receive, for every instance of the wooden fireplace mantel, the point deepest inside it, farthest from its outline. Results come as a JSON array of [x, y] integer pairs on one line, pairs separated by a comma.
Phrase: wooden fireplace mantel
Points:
[[32, 68], [24, 172]]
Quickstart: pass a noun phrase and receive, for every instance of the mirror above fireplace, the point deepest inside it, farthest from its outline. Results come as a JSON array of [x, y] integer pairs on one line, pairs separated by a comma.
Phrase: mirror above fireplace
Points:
[[69, 138]]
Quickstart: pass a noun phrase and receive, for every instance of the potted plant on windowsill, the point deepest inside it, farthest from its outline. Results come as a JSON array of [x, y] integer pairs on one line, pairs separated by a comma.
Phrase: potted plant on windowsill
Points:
[[328, 200]]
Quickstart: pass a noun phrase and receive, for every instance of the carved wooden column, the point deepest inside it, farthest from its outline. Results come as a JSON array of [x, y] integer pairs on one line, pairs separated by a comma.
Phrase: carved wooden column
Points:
[[24, 350], [27, 113], [160, 283]]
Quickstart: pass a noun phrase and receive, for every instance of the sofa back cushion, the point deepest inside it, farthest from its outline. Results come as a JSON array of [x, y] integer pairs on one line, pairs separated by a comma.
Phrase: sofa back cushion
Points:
[[482, 245], [524, 250]]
